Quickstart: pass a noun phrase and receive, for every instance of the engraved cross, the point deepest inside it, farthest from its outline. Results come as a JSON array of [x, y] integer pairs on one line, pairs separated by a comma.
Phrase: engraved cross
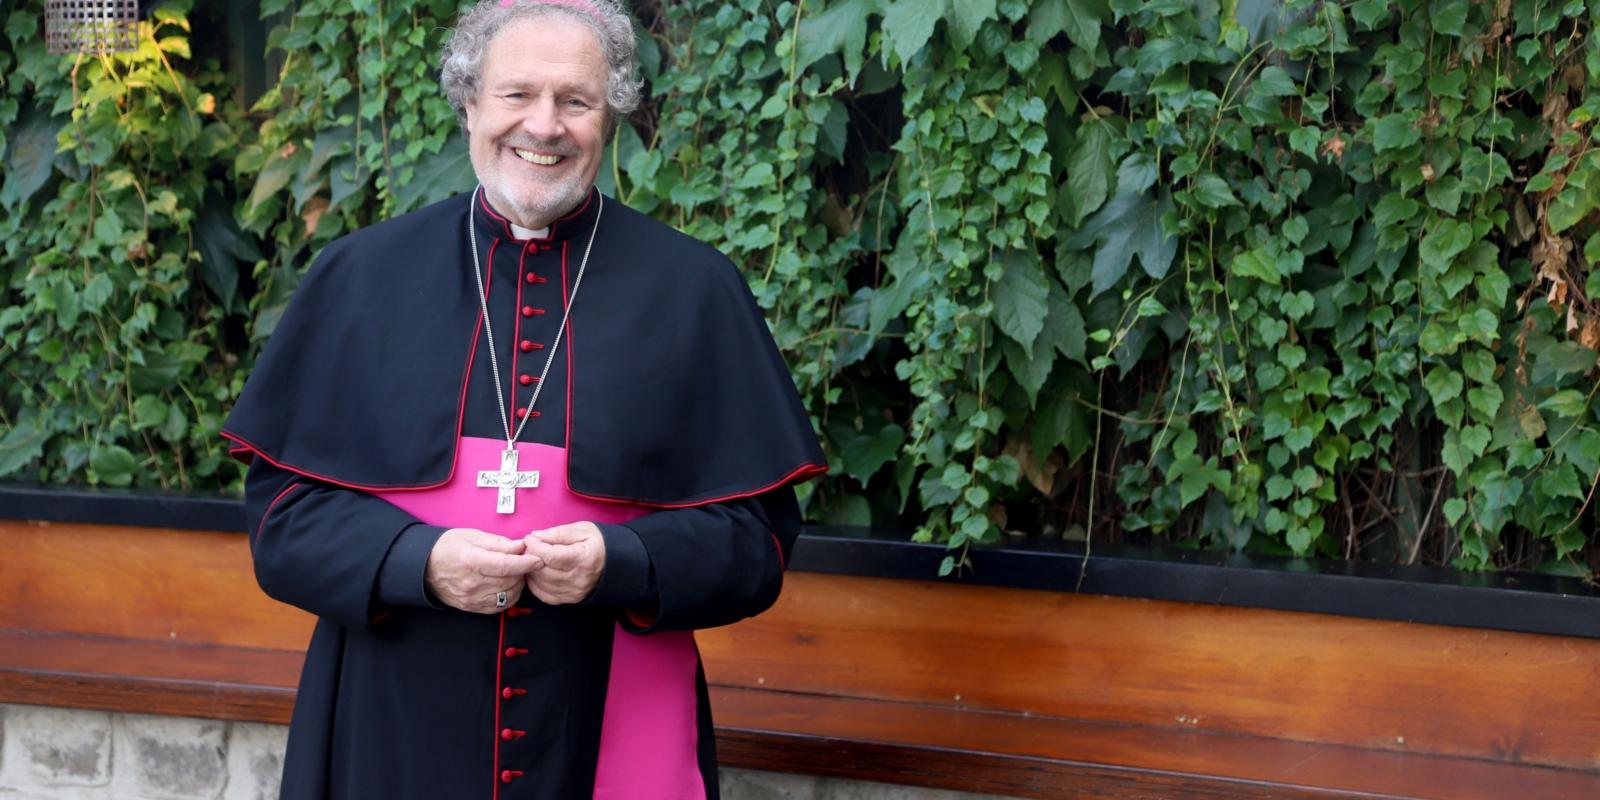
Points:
[[507, 480]]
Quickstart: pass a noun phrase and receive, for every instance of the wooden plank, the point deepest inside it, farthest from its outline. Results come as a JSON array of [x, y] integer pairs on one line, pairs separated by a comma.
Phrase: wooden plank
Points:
[[141, 677], [1302, 677], [140, 583], [1050, 758]]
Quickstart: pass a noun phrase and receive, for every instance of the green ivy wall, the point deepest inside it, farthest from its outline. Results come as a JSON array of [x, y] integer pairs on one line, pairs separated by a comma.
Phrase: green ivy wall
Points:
[[1285, 277]]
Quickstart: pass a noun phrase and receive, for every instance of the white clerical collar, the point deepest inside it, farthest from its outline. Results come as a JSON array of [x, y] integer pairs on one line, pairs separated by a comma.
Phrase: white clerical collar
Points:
[[529, 233]]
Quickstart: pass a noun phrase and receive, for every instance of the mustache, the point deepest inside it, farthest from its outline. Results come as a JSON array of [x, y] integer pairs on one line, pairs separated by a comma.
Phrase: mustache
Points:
[[548, 147]]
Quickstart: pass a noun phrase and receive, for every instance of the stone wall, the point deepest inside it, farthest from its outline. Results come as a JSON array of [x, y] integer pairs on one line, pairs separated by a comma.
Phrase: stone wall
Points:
[[67, 754]]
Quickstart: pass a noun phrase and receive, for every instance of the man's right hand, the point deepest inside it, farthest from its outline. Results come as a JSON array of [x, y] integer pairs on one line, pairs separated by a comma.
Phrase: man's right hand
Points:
[[468, 567]]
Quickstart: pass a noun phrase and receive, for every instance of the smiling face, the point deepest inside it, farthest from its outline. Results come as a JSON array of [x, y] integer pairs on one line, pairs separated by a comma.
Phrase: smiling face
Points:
[[537, 126]]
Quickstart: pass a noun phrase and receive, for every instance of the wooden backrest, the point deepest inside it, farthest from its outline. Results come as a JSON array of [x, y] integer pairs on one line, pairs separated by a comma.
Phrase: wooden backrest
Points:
[[1313, 678]]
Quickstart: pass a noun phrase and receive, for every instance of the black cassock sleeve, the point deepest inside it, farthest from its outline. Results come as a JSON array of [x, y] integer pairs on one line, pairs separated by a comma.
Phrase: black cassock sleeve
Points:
[[345, 555], [699, 567], [341, 554]]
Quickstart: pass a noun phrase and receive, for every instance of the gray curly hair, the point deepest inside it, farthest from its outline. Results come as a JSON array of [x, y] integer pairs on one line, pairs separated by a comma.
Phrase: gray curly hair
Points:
[[461, 63]]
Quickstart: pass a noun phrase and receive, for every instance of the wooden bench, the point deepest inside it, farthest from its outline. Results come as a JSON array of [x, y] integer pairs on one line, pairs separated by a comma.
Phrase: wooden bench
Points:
[[1009, 691]]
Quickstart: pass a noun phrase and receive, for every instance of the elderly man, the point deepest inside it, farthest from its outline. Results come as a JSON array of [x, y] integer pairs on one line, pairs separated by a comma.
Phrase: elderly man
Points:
[[511, 450]]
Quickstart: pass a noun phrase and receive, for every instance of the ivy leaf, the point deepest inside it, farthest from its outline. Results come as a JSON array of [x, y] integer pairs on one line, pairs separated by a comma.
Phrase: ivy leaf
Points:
[[863, 455], [1453, 455], [348, 176], [222, 246], [148, 411], [1481, 324], [1475, 439], [1444, 384], [1482, 170], [1030, 369], [1478, 365], [1393, 209], [1275, 82], [965, 18], [1020, 299], [1297, 304], [1258, 264], [23, 444], [272, 178], [853, 347], [1557, 360], [1079, 19], [1138, 172], [908, 25], [1449, 17], [1567, 403], [1064, 328], [1447, 240], [841, 28], [1370, 12], [28, 159], [1454, 508], [1061, 419], [1089, 171], [1569, 208], [1500, 490], [114, 465], [891, 301], [438, 175], [1494, 285], [1485, 400], [1213, 192], [1394, 132], [1130, 224]]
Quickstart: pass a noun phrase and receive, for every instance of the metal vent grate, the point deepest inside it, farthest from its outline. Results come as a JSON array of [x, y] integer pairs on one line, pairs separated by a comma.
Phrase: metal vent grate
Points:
[[93, 26]]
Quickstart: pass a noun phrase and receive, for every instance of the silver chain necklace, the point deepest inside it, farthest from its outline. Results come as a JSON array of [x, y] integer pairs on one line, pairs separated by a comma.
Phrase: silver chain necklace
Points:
[[507, 480]]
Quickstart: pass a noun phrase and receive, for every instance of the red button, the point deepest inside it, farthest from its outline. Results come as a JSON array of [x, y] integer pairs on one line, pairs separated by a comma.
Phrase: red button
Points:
[[511, 735], [509, 692], [513, 652], [531, 278], [525, 380], [522, 412], [510, 775], [526, 346]]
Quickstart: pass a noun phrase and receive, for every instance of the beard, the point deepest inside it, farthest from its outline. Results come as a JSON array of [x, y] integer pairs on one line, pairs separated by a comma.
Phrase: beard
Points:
[[529, 199]]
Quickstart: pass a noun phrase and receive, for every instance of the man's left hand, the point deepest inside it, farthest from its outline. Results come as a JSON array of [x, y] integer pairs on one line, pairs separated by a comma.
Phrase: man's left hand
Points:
[[574, 557]]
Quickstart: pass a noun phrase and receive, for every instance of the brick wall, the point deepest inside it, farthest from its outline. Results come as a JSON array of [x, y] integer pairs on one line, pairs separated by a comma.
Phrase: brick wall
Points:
[[67, 754]]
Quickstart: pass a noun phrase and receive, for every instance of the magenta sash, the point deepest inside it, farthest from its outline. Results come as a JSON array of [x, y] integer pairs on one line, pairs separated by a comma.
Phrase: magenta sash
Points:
[[649, 733]]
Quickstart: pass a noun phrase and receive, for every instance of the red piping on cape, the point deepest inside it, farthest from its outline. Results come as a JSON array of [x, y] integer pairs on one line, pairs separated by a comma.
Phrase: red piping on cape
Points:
[[799, 474], [461, 412]]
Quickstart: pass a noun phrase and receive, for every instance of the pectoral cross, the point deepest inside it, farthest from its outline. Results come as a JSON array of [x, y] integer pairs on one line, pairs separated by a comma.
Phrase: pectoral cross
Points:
[[508, 480]]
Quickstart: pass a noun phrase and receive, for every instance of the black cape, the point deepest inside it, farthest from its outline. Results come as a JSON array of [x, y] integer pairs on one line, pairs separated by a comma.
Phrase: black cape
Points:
[[329, 397]]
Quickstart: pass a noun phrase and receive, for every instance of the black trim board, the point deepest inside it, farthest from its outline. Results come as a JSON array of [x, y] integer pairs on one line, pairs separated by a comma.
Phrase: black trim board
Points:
[[1526, 603]]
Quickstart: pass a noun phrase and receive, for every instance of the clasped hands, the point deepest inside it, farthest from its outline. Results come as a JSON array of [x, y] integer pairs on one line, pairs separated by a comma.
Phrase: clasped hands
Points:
[[559, 565]]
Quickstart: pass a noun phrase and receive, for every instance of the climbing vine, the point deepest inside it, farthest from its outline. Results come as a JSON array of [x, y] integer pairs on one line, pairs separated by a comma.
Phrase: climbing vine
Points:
[[1299, 277]]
